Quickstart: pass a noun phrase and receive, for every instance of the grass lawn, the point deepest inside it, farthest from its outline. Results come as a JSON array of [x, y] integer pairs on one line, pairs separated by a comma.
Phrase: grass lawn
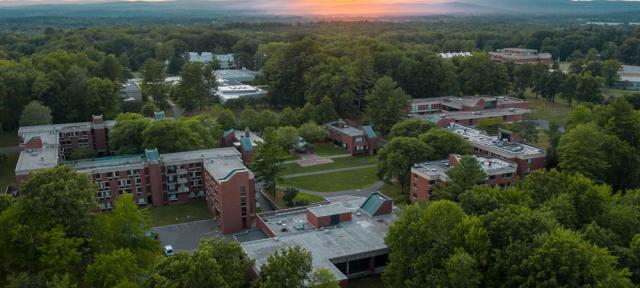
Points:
[[368, 282], [393, 190], [554, 112], [9, 139], [179, 213], [7, 171], [617, 92], [328, 149], [301, 196], [336, 181], [338, 163]]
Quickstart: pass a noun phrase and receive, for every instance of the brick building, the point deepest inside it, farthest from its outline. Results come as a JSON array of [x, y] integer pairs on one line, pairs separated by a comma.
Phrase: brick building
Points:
[[428, 175], [521, 56], [244, 141], [356, 139], [449, 104], [505, 145], [344, 235], [217, 175]]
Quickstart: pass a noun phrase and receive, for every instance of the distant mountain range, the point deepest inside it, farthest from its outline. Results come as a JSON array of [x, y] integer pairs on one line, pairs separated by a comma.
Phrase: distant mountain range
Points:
[[201, 8]]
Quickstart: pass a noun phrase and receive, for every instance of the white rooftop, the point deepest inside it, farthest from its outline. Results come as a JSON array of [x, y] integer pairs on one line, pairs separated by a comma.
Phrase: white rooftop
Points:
[[363, 235], [480, 139]]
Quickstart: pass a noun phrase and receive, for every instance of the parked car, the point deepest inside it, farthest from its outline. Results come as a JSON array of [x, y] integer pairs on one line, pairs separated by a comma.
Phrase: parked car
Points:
[[168, 250]]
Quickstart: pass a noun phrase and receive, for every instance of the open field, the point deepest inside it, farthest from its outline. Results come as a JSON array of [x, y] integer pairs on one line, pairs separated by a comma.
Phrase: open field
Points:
[[7, 168], [553, 112], [179, 213], [617, 92], [301, 196], [328, 149], [334, 181], [338, 163], [368, 282]]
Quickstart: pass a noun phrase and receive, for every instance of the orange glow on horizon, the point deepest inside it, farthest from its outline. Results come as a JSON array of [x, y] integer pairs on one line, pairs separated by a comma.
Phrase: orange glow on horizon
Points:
[[350, 7]]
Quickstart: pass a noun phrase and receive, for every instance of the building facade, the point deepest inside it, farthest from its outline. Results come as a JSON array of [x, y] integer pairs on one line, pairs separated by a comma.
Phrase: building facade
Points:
[[355, 139], [244, 141], [153, 179], [521, 56], [427, 176], [450, 104]]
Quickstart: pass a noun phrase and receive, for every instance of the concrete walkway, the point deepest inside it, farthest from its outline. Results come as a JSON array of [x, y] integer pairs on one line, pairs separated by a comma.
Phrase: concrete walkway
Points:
[[364, 192], [328, 171]]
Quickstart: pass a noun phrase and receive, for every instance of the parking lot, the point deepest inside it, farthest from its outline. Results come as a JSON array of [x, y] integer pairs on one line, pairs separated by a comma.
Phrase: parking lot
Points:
[[187, 236]]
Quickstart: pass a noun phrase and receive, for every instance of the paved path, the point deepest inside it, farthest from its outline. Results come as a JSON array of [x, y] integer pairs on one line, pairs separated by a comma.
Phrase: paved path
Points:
[[364, 192], [177, 110], [9, 149], [328, 171]]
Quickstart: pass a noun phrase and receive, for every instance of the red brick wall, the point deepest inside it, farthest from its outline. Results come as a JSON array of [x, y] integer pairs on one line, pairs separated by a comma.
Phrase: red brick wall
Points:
[[313, 219], [155, 175], [262, 226], [100, 140], [34, 143], [385, 208], [230, 205], [419, 188], [344, 217]]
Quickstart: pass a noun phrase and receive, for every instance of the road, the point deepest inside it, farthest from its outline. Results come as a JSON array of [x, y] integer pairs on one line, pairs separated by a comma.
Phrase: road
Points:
[[177, 110], [364, 192]]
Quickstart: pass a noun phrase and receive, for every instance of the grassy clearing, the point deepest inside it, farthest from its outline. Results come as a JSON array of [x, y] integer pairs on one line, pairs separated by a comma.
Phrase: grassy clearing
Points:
[[368, 282], [179, 213], [9, 139], [335, 181], [7, 171], [393, 190], [338, 163], [617, 92], [328, 149], [554, 112], [309, 198]]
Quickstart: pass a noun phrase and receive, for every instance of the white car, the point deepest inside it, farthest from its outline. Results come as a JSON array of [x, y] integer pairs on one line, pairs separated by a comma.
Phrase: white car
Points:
[[168, 250]]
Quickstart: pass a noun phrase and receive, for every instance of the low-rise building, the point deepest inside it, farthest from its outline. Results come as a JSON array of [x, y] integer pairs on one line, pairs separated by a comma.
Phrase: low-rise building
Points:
[[230, 91], [428, 175], [344, 235], [521, 56], [226, 61], [629, 78], [244, 141], [356, 139], [472, 118], [504, 145], [451, 55], [448, 104]]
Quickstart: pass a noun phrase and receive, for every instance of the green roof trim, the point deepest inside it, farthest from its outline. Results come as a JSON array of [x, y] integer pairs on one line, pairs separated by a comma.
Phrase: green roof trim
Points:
[[369, 130], [246, 144], [152, 154], [373, 203]]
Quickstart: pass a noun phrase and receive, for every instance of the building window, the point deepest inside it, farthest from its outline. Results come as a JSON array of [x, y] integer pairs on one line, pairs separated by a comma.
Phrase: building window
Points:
[[492, 177], [508, 175]]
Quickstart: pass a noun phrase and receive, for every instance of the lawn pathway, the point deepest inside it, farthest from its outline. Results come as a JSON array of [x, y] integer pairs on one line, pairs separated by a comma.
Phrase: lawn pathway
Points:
[[328, 171], [364, 192]]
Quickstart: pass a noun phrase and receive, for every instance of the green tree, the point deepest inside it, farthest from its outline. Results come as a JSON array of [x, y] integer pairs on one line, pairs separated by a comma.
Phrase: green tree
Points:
[[589, 88], [610, 69], [562, 258], [287, 137], [116, 269], [216, 263], [227, 120], [59, 254], [323, 278], [586, 149], [110, 68], [249, 119], [289, 195], [81, 153], [462, 177], [385, 104], [463, 270], [149, 109], [398, 156], [286, 268], [126, 135], [479, 74], [325, 111], [444, 143], [170, 136], [35, 114], [289, 117], [153, 77], [266, 119], [490, 125], [266, 162], [103, 96], [312, 132], [410, 128]]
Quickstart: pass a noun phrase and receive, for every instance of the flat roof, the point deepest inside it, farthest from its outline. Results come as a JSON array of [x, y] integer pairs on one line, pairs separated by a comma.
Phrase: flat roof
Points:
[[362, 236], [465, 115], [328, 210], [482, 140], [223, 168], [346, 129], [467, 100], [107, 164], [187, 156]]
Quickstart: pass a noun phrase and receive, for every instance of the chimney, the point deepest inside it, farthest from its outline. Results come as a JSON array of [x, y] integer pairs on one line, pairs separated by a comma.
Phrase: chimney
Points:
[[246, 132]]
